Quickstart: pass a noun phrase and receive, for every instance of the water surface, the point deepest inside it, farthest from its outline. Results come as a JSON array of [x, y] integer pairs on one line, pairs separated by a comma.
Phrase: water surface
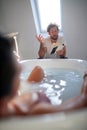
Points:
[[58, 84]]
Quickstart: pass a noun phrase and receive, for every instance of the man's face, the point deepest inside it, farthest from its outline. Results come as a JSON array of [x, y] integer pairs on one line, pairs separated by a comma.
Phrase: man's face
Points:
[[53, 33]]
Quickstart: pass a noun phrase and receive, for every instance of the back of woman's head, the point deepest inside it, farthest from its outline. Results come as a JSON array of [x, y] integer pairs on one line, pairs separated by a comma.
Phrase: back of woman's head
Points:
[[7, 68]]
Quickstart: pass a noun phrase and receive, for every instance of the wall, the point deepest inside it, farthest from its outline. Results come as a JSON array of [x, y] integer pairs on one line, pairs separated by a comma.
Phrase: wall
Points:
[[2, 21], [75, 27], [16, 16]]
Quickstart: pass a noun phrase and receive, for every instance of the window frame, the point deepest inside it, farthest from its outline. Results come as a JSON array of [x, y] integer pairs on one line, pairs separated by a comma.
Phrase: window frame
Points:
[[35, 10]]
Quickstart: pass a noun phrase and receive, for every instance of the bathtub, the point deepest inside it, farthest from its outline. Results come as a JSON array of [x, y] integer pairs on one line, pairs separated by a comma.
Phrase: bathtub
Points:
[[76, 120]]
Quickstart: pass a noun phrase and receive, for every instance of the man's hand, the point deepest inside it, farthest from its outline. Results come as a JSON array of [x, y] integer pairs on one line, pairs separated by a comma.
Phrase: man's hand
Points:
[[40, 39], [61, 52]]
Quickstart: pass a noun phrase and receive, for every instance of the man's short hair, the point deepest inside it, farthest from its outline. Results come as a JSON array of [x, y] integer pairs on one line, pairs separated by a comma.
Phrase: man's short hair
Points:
[[51, 26]]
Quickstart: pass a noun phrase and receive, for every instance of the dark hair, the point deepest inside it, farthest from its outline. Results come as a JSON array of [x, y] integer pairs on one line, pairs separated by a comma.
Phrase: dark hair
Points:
[[7, 67], [51, 26]]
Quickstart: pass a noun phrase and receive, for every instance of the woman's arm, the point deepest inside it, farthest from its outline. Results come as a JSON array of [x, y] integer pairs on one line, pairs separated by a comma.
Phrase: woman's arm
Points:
[[75, 103]]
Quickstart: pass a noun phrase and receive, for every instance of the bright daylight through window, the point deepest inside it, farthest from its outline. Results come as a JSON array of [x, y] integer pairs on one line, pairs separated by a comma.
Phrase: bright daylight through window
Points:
[[49, 11], [46, 12]]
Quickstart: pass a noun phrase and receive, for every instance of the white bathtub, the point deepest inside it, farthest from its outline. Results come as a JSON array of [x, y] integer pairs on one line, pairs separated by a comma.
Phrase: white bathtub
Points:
[[76, 120]]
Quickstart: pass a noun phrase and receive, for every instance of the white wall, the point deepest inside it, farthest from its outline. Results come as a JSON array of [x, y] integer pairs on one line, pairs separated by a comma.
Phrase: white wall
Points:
[[2, 21], [75, 27], [16, 16]]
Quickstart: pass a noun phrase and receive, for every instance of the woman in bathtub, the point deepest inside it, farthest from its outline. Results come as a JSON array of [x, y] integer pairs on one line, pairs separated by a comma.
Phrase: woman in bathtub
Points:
[[30, 103]]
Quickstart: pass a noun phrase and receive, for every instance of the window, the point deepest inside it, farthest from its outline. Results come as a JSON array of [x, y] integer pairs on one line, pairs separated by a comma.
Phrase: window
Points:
[[46, 12]]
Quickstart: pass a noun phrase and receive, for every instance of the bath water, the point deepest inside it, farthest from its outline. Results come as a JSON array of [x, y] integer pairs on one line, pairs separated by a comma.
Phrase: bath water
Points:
[[59, 84]]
